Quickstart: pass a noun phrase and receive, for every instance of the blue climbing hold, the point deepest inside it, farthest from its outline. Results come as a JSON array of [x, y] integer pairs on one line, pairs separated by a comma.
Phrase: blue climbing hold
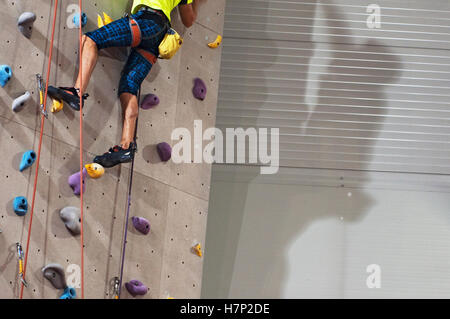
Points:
[[28, 159], [76, 20], [5, 74], [20, 205], [69, 293]]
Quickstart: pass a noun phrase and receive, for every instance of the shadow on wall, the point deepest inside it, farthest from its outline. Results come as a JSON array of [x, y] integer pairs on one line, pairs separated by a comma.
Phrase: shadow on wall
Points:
[[266, 272]]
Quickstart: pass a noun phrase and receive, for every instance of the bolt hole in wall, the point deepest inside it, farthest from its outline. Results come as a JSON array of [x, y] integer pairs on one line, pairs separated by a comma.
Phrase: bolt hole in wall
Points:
[[354, 192]]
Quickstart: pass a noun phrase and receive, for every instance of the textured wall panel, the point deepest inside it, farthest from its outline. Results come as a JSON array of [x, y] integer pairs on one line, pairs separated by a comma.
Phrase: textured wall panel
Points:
[[155, 185]]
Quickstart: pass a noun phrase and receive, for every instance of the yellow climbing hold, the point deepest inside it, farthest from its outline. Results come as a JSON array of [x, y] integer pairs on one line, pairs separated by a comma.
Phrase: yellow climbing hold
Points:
[[100, 21], [95, 170], [216, 42], [57, 106], [197, 250], [107, 18]]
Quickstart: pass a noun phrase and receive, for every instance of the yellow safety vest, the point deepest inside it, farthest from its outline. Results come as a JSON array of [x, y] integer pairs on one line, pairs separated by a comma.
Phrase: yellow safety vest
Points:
[[165, 6]]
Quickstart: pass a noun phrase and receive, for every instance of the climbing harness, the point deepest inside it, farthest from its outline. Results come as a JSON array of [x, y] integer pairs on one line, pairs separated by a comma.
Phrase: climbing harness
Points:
[[20, 256], [127, 215], [136, 36], [41, 95], [136, 33], [39, 151]]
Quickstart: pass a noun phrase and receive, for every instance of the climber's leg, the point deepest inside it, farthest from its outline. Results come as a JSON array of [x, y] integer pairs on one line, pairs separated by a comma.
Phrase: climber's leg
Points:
[[89, 60], [114, 34], [134, 73], [130, 111]]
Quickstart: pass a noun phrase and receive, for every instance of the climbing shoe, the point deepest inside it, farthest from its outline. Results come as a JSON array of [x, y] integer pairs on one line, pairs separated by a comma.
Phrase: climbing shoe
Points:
[[68, 95], [116, 155]]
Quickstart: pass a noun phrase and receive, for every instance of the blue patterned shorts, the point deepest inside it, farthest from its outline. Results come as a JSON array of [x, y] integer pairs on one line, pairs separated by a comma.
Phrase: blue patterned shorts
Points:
[[118, 34]]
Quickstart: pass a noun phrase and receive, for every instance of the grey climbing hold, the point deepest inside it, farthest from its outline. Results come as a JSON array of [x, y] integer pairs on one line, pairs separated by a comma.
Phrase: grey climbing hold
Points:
[[56, 275], [20, 102], [71, 218], [25, 23]]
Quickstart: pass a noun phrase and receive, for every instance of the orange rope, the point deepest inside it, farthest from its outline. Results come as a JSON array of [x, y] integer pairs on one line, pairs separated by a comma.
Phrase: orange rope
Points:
[[81, 149], [40, 147]]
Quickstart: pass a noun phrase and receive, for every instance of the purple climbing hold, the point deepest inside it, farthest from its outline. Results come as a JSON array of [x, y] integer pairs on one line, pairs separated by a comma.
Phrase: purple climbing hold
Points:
[[199, 89], [74, 182], [141, 224], [135, 287], [149, 101], [164, 151]]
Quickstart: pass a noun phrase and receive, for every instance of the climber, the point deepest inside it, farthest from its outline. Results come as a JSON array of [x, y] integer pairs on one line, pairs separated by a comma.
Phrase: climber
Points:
[[153, 20]]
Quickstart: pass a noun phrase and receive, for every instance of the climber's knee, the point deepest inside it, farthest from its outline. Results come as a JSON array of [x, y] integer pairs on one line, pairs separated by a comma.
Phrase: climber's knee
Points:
[[90, 40], [128, 85]]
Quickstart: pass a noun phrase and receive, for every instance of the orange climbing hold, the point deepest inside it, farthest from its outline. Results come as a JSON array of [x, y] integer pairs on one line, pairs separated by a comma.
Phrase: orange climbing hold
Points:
[[95, 170], [198, 250]]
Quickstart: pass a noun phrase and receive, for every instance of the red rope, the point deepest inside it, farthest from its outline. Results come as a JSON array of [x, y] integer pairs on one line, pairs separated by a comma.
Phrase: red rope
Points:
[[40, 146], [81, 150]]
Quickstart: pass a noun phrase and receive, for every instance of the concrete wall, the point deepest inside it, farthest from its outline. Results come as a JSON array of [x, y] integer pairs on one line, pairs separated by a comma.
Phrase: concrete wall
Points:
[[308, 233], [174, 198]]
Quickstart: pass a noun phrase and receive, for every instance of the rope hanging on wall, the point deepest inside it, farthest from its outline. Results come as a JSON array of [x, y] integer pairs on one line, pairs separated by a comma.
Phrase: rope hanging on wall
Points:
[[39, 147], [80, 35], [127, 215]]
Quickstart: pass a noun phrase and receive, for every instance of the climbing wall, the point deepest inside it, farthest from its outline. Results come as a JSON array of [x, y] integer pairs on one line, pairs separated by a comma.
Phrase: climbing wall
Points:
[[173, 197]]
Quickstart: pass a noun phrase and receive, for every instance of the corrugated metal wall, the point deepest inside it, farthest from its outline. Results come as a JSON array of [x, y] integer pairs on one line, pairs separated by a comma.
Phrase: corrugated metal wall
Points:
[[343, 95]]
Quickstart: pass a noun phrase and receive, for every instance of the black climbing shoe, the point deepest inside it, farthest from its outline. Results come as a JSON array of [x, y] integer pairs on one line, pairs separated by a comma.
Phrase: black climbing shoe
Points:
[[116, 155], [68, 95]]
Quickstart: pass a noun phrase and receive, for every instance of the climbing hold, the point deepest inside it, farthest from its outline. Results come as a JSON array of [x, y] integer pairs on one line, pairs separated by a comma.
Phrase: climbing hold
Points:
[[107, 18], [216, 42], [76, 20], [95, 170], [135, 287], [71, 218], [149, 101], [141, 224], [28, 159], [164, 151], [57, 106], [5, 74], [19, 103], [69, 293], [25, 23], [55, 274], [20, 205], [199, 89], [74, 182], [197, 250], [100, 22]]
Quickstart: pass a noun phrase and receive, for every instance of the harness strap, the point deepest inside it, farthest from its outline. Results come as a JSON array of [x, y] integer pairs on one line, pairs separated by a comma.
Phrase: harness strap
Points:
[[135, 33], [150, 57]]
